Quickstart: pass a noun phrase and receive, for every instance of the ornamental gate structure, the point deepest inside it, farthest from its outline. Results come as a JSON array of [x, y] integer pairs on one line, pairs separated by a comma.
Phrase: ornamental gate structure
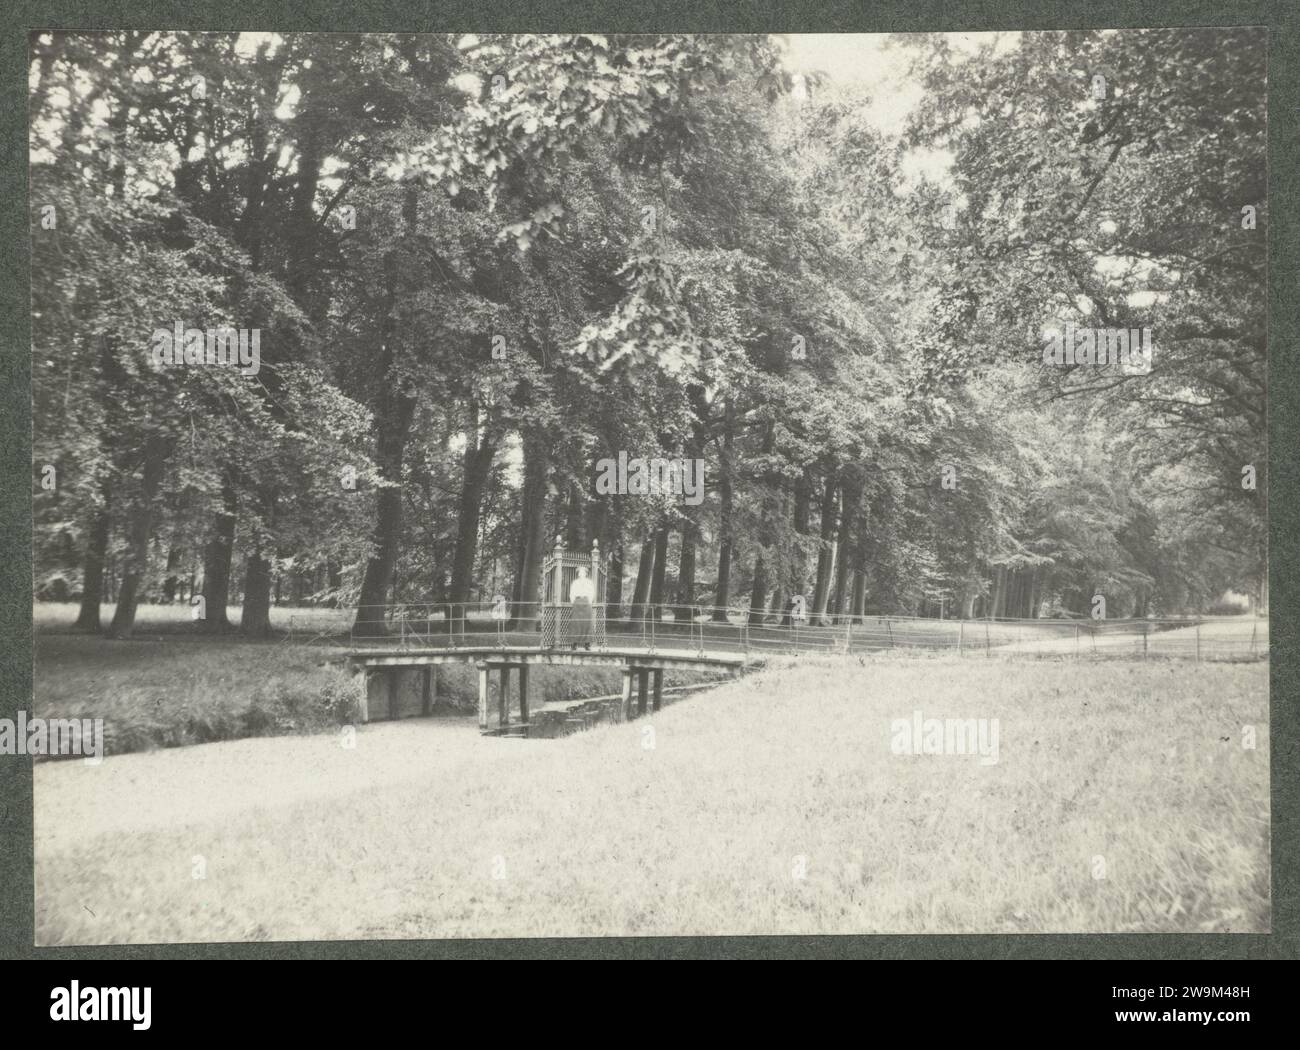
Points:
[[559, 571]]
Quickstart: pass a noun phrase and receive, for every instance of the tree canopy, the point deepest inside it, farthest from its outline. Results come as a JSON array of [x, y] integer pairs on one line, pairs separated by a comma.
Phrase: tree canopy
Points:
[[479, 265]]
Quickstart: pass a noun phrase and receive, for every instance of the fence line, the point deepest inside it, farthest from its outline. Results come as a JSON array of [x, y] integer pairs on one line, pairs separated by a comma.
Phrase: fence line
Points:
[[455, 625]]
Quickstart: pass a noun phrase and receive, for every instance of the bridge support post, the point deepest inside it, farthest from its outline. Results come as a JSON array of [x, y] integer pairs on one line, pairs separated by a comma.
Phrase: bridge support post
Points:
[[393, 680], [642, 685], [429, 690], [503, 695], [659, 690], [523, 693], [627, 694], [482, 697]]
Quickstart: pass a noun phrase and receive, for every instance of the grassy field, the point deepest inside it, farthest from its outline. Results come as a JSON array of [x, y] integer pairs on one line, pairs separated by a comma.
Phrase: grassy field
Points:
[[165, 693], [1122, 799], [158, 621]]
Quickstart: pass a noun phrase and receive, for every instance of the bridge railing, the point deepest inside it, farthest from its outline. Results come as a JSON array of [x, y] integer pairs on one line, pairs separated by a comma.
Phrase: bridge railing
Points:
[[545, 625], [703, 629]]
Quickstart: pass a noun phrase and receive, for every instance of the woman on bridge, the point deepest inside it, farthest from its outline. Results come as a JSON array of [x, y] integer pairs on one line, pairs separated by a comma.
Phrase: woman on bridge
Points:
[[582, 592]]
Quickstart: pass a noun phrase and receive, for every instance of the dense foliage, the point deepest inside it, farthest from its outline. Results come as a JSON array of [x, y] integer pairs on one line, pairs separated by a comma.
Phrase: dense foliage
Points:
[[480, 265]]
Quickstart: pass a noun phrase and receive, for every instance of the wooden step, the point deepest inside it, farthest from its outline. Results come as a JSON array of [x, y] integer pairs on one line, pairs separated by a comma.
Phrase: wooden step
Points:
[[513, 729]]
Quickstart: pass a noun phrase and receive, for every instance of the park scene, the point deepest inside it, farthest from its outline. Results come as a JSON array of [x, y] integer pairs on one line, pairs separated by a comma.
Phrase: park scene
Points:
[[589, 485]]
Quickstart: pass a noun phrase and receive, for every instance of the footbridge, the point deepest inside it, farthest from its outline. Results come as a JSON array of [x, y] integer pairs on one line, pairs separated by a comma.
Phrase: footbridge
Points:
[[642, 672], [401, 647]]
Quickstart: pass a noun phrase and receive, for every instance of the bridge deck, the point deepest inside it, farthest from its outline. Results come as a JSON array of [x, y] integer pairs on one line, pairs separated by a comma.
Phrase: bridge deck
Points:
[[388, 663], [652, 659]]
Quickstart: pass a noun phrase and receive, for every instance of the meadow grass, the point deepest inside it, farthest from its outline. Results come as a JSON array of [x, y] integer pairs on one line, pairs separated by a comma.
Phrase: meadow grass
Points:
[[1123, 800]]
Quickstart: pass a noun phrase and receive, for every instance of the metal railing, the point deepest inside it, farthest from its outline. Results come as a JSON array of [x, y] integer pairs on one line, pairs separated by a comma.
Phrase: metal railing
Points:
[[705, 629]]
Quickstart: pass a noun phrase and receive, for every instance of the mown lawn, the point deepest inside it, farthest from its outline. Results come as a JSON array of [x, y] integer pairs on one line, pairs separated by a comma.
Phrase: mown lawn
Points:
[[1122, 800]]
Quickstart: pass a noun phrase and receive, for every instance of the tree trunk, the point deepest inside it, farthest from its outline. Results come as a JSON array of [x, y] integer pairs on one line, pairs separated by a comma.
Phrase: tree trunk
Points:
[[217, 555], [92, 583], [597, 520], [645, 569], [303, 244], [999, 604], [172, 581], [655, 611], [859, 599], [532, 527], [479, 453], [255, 617], [690, 530], [686, 573], [255, 620], [841, 594], [574, 506], [826, 552], [139, 529], [614, 584], [722, 593], [858, 607], [394, 411], [611, 543], [722, 588], [759, 591], [802, 504], [847, 556], [386, 536]]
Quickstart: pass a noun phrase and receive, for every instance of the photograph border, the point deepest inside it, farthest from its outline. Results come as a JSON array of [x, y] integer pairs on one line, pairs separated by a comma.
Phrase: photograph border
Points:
[[17, 900]]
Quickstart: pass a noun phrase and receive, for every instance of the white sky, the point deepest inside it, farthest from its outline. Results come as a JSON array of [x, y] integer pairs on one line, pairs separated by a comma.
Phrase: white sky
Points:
[[863, 59], [860, 59], [866, 61]]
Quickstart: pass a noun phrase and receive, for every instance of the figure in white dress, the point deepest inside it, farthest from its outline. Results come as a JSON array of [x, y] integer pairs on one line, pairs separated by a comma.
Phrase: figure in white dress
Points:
[[582, 592]]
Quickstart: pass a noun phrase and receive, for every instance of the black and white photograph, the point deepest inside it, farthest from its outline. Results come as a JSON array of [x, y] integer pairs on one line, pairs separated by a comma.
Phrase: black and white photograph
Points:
[[605, 485]]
